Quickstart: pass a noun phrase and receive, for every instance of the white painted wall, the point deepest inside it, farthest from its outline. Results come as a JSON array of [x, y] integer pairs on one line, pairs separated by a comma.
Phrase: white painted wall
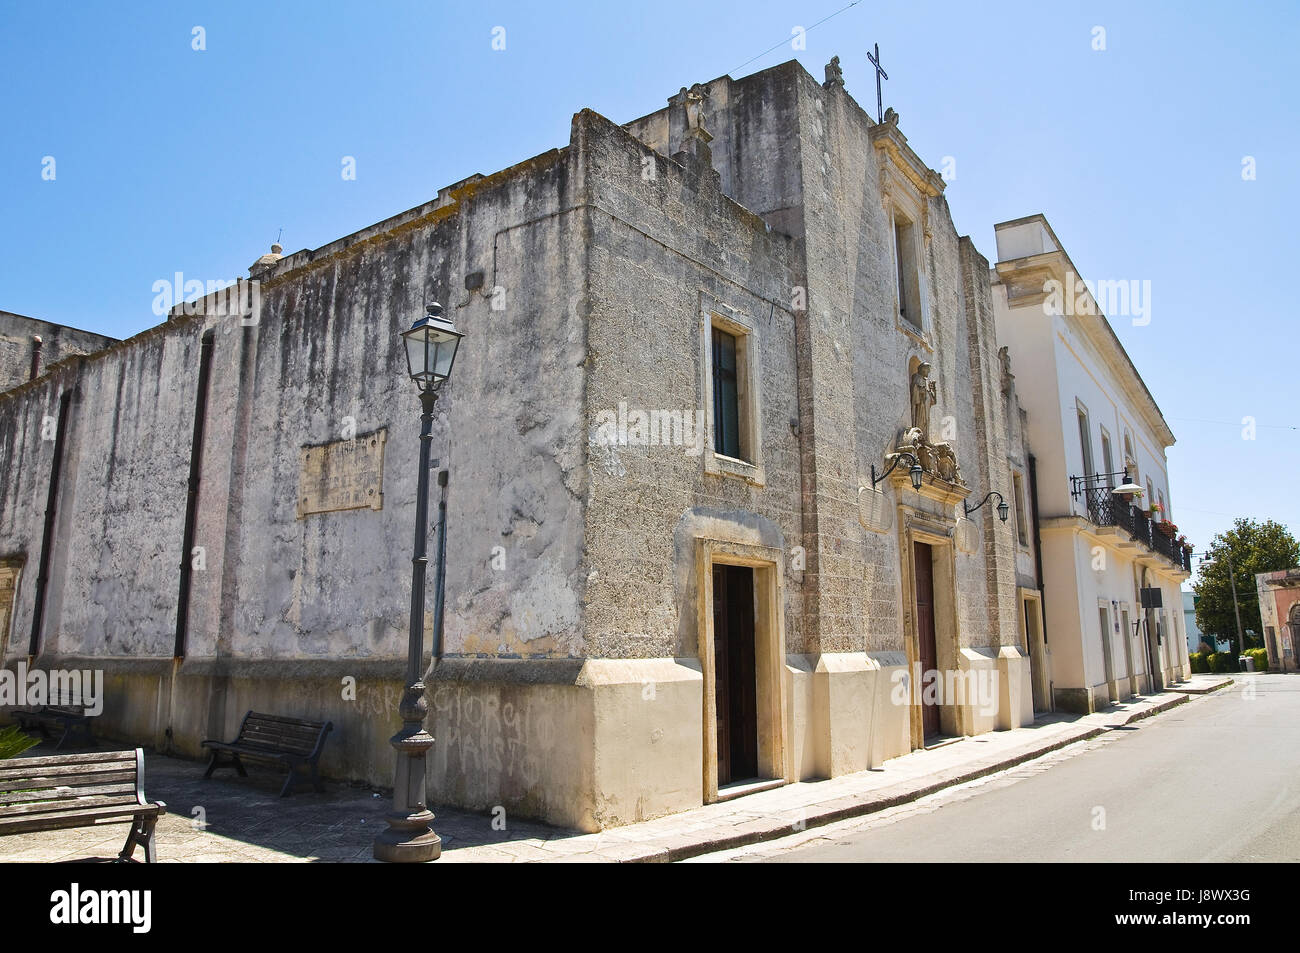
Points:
[[1059, 366]]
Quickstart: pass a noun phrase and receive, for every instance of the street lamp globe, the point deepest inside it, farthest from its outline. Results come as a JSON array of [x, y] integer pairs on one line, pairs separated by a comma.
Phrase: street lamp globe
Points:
[[431, 346]]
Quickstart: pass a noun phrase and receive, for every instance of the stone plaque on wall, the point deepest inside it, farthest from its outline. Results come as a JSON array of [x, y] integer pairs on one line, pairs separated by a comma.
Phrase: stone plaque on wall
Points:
[[966, 535], [343, 475], [875, 511]]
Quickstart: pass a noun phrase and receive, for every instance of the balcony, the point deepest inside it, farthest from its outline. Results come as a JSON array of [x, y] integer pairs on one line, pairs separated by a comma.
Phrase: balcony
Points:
[[1104, 509]]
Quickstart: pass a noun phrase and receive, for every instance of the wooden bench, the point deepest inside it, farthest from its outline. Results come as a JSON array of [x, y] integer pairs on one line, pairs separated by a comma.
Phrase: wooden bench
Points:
[[80, 790], [292, 742], [70, 719]]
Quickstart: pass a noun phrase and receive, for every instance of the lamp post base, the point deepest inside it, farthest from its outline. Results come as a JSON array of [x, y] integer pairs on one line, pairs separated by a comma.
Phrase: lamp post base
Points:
[[410, 845]]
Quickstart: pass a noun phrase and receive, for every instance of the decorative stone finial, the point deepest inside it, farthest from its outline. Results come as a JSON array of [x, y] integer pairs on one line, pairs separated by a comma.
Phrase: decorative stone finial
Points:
[[694, 153], [263, 264], [691, 101], [834, 75], [1004, 356]]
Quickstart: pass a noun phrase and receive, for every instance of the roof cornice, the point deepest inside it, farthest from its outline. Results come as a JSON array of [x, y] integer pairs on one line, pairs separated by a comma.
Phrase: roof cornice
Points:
[[1025, 279]]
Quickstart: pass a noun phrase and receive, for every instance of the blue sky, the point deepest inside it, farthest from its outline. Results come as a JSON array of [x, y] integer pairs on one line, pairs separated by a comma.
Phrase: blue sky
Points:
[[170, 159]]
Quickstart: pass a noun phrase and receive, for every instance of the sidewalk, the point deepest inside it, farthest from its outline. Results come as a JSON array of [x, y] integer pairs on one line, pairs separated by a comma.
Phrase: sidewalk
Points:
[[794, 807], [227, 819]]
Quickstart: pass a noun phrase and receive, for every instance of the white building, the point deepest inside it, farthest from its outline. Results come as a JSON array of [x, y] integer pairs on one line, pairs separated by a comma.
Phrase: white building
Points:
[[1194, 634], [1099, 550]]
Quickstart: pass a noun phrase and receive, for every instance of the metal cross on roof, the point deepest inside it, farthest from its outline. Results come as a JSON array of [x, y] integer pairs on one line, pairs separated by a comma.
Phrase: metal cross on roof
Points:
[[875, 61]]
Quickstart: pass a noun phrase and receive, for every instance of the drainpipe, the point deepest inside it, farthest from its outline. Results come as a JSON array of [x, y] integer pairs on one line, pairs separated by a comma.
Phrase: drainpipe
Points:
[[1152, 661], [1038, 565], [47, 535], [192, 497], [441, 568]]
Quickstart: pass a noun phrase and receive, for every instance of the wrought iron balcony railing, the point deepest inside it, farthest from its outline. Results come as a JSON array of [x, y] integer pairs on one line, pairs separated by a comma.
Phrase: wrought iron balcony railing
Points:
[[1105, 509]]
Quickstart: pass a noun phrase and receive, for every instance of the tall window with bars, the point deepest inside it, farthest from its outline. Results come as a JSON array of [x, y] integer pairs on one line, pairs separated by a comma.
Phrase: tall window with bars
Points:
[[726, 394]]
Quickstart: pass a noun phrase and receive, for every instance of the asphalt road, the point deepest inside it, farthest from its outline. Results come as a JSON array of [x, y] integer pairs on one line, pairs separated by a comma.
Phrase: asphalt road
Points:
[[1216, 779]]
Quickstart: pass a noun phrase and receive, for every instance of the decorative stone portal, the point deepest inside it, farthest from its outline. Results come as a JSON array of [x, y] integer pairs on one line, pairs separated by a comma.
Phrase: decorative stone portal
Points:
[[1034, 644], [735, 684], [929, 623], [742, 655], [927, 652]]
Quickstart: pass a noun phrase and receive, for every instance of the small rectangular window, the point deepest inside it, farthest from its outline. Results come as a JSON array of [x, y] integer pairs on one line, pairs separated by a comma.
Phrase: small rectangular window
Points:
[[726, 394], [1107, 458], [909, 292], [1085, 441]]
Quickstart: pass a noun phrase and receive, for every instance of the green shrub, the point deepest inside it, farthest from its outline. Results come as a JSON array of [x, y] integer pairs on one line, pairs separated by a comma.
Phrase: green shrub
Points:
[[1199, 664], [1223, 663], [13, 742], [1261, 658]]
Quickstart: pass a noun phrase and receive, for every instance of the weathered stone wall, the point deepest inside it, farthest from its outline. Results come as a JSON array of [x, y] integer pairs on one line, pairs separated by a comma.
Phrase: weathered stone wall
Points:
[[852, 311], [273, 592], [666, 250], [993, 446], [572, 686], [755, 148], [802, 156], [120, 510], [58, 342]]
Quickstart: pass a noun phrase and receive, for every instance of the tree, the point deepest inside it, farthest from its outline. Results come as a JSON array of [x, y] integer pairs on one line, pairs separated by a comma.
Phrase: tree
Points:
[[1254, 548]]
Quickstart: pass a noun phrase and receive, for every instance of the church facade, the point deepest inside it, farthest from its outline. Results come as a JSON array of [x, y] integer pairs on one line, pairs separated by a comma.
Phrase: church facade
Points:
[[730, 450]]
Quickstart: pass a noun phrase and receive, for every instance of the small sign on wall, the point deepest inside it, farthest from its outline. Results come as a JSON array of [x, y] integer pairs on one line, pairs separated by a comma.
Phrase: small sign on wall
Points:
[[343, 475], [874, 511], [965, 535]]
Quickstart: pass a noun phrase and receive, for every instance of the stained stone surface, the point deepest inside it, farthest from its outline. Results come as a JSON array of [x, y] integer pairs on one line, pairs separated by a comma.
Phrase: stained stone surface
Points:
[[248, 822]]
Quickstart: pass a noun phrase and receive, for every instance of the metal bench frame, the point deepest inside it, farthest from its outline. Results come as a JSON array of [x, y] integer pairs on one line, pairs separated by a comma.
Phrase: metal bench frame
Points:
[[60, 792], [230, 754], [70, 718]]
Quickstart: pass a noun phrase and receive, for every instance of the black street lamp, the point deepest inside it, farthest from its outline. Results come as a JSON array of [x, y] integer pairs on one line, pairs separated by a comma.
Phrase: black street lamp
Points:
[[914, 471], [431, 346], [1003, 508]]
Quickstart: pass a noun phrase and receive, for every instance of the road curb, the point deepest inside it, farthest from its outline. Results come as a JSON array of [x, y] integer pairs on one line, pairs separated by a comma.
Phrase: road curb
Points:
[[1213, 688]]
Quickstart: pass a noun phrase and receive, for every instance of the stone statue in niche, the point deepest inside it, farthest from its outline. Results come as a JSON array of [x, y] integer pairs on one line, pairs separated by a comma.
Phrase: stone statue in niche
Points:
[[1004, 355], [925, 395], [937, 459]]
